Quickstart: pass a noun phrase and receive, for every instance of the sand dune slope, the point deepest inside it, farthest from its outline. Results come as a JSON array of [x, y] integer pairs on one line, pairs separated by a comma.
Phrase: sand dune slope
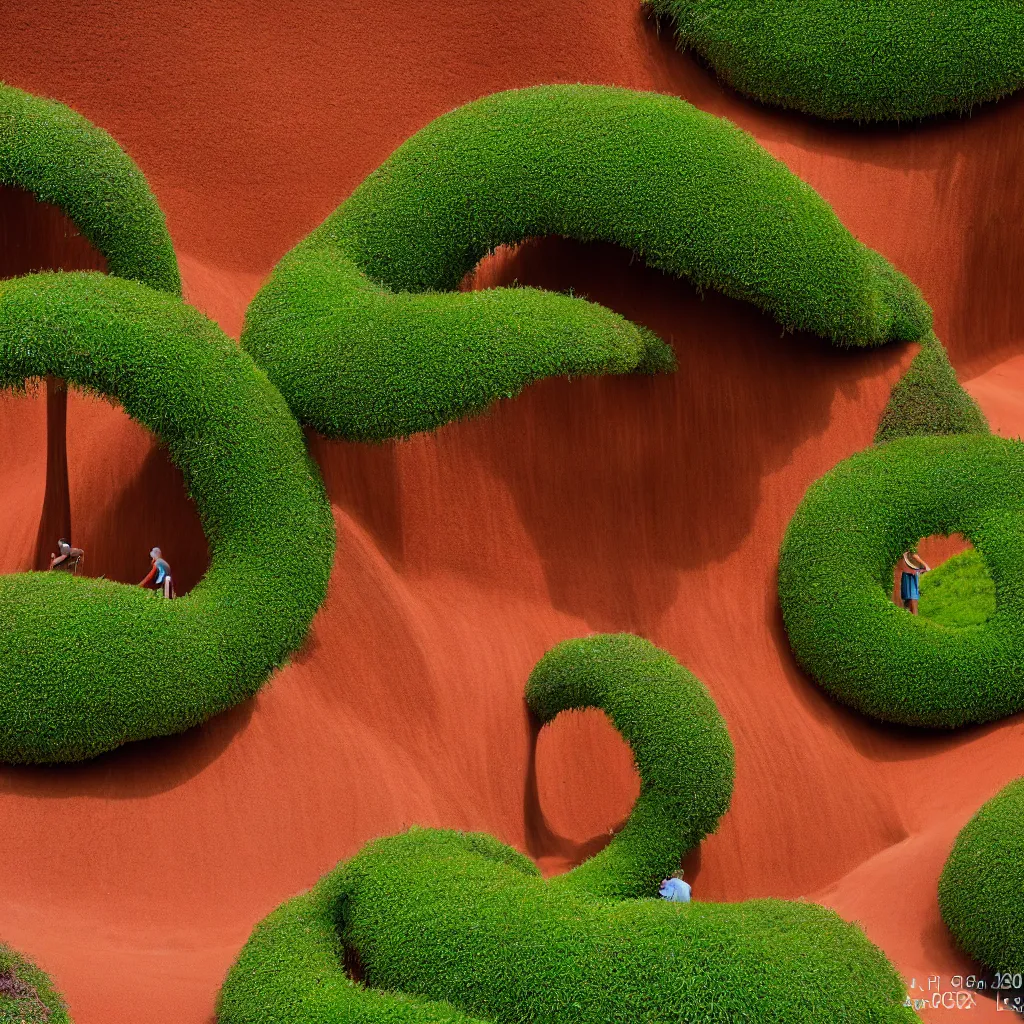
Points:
[[652, 505]]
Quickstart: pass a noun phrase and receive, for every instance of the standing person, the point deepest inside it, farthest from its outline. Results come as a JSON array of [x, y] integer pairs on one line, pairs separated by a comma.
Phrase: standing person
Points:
[[675, 889], [67, 557], [913, 566], [159, 575]]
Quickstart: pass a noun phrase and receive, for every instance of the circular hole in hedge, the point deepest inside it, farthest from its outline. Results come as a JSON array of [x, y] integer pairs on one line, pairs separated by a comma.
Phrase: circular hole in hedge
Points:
[[125, 494], [585, 777], [959, 591]]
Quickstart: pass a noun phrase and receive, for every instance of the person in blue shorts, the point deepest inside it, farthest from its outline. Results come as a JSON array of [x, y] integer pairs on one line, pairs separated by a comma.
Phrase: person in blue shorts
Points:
[[674, 889], [913, 565]]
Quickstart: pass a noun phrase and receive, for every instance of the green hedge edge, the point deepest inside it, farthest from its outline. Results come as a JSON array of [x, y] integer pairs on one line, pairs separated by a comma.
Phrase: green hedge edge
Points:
[[836, 572], [36, 1000], [929, 399], [89, 664], [680, 746], [62, 158], [981, 890], [456, 927], [361, 330], [894, 60]]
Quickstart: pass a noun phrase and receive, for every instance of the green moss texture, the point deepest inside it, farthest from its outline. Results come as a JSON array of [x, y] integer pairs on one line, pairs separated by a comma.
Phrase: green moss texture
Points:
[[836, 571], [27, 995], [90, 664], [48, 149], [960, 592], [866, 60], [360, 326], [456, 927], [929, 399], [981, 891]]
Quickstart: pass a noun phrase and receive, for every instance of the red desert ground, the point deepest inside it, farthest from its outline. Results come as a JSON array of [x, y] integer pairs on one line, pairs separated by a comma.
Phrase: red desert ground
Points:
[[655, 505]]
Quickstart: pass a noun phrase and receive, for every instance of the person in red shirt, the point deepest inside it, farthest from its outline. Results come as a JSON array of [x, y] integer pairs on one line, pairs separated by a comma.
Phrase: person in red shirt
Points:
[[159, 575]]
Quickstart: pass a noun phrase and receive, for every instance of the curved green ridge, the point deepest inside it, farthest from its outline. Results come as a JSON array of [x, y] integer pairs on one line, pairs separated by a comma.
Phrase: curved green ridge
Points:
[[929, 399], [89, 664], [960, 592], [27, 995], [885, 60], [679, 741], [50, 150], [358, 325], [457, 927], [981, 891], [836, 571]]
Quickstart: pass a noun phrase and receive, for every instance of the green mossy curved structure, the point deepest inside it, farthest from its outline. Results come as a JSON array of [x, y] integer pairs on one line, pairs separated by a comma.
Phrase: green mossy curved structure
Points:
[[981, 891], [836, 571], [27, 995], [361, 330], [929, 399], [458, 928], [89, 664], [883, 60], [50, 150]]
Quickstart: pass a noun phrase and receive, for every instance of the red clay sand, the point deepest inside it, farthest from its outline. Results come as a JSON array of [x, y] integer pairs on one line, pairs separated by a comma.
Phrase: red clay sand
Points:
[[650, 505]]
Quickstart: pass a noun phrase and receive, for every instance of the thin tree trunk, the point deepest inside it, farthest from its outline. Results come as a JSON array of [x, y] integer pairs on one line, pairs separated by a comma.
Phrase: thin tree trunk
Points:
[[55, 521]]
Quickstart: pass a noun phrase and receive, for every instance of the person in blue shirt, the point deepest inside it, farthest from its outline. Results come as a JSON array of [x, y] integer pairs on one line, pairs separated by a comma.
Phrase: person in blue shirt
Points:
[[675, 889], [159, 575]]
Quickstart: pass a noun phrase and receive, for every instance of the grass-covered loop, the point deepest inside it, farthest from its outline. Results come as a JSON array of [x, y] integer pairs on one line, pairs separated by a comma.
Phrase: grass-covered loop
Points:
[[88, 664], [361, 330], [883, 60], [981, 891], [836, 572], [680, 745], [50, 150], [27, 995], [456, 927]]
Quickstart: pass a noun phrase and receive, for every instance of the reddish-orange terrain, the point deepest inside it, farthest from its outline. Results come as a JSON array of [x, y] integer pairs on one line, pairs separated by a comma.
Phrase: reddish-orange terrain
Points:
[[652, 505]]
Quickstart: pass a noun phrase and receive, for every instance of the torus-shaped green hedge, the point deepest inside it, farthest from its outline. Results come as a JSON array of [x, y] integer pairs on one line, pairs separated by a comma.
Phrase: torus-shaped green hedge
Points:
[[836, 580], [48, 149], [868, 60], [981, 891], [458, 928], [27, 995], [88, 664], [361, 330]]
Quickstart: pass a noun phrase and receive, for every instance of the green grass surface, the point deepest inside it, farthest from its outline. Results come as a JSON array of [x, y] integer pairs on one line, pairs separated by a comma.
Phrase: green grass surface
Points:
[[456, 927], [361, 330], [27, 995], [48, 149], [836, 572], [981, 891], [90, 664], [869, 60], [929, 399], [960, 592]]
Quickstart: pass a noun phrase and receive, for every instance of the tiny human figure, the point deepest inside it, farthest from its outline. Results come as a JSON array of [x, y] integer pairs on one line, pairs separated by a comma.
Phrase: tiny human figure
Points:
[[675, 889], [913, 566], [159, 575], [67, 557]]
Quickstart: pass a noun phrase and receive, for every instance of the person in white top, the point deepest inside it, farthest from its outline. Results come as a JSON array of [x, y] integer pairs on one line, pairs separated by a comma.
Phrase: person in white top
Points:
[[675, 889]]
